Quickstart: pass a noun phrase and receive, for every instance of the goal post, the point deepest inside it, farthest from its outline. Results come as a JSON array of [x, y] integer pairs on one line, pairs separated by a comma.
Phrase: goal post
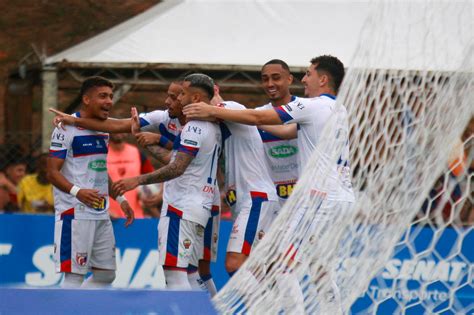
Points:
[[409, 95]]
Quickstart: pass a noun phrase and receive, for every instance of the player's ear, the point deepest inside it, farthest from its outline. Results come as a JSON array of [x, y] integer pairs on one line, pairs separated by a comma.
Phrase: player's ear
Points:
[[324, 80], [290, 78], [86, 99]]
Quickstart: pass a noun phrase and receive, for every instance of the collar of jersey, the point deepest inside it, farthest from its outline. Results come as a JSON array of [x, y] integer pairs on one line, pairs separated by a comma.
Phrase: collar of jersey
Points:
[[328, 95]]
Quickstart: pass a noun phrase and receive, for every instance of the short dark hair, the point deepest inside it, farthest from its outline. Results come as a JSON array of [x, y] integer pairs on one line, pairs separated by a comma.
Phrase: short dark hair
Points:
[[331, 66], [201, 81], [93, 82], [280, 62]]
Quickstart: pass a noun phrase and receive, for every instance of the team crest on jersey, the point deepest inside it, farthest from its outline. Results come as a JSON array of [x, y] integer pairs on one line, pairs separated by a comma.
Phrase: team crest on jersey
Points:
[[81, 259], [199, 231], [261, 234], [172, 126], [186, 243]]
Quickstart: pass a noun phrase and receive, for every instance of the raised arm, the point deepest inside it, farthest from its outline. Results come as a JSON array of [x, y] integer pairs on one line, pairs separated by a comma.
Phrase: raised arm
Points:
[[202, 111], [165, 173], [284, 131], [110, 125]]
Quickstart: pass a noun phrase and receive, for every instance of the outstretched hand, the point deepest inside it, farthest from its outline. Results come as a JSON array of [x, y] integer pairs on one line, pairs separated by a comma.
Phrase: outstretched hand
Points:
[[128, 211], [62, 119], [199, 111], [124, 185], [135, 121], [147, 138]]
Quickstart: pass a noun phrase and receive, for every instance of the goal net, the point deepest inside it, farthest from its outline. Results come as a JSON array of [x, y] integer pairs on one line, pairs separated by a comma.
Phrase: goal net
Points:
[[406, 243]]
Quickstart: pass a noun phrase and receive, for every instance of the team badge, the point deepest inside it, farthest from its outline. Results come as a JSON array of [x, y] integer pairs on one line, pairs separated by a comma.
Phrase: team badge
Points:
[[199, 231], [261, 234], [81, 259], [186, 243]]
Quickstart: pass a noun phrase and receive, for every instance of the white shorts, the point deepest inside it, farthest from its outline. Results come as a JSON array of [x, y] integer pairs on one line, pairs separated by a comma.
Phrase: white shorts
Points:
[[180, 242], [211, 236], [256, 214], [330, 214], [80, 245]]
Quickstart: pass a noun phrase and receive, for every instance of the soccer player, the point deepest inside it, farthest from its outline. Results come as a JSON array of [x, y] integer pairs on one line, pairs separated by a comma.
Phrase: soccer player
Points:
[[189, 189], [83, 235], [281, 154]]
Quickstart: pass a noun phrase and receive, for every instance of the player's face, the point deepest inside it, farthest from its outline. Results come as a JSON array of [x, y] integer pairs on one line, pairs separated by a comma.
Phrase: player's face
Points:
[[311, 82], [172, 102], [185, 97], [276, 81], [98, 102]]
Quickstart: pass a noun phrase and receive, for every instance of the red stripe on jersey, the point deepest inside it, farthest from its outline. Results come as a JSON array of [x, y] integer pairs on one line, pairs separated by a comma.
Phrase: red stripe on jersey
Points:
[[246, 248], [68, 212], [207, 254], [176, 211], [66, 266], [257, 194], [171, 261]]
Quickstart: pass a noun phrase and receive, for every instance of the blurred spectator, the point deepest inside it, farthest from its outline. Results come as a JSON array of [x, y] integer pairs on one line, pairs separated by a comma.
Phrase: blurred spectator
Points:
[[125, 160], [450, 199], [10, 177], [35, 192]]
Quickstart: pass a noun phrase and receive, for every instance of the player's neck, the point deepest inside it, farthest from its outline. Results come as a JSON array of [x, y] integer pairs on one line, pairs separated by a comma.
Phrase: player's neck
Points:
[[281, 101]]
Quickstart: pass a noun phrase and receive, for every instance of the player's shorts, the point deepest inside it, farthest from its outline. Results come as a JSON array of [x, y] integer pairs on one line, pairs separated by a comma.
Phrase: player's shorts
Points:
[[80, 245], [256, 214], [180, 242], [329, 215], [211, 236]]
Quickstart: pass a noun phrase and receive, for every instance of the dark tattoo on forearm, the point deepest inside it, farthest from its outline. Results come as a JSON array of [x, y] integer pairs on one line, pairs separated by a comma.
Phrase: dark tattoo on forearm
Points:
[[167, 172], [159, 153]]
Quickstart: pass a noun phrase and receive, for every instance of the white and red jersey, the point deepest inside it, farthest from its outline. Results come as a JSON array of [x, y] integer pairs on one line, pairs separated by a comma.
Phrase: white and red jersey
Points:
[[245, 167], [311, 116], [160, 121], [190, 195], [282, 159], [85, 165]]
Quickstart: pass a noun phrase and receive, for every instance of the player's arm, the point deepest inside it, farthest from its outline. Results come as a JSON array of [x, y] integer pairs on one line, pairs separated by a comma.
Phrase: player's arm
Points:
[[165, 173], [203, 111], [89, 197], [124, 205], [110, 125], [281, 131]]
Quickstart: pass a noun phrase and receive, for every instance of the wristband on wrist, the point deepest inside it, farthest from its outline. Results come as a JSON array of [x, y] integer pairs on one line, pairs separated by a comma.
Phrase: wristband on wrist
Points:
[[163, 142], [120, 199], [74, 190]]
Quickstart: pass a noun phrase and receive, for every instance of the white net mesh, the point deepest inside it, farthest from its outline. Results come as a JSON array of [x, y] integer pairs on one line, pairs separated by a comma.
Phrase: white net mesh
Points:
[[409, 96]]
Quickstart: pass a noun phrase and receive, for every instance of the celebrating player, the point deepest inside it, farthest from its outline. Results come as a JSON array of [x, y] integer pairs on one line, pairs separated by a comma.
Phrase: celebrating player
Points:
[[77, 168]]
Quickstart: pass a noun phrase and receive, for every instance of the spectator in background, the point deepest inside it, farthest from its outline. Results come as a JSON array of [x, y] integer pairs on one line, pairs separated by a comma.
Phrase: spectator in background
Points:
[[125, 160], [35, 192], [10, 177]]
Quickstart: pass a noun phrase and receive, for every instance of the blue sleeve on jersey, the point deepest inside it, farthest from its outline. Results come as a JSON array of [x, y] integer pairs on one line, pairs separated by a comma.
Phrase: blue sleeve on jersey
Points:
[[143, 122], [59, 154], [284, 116]]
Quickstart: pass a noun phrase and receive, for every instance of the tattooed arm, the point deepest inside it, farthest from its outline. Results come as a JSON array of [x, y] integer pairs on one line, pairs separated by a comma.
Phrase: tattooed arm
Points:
[[165, 173], [159, 153]]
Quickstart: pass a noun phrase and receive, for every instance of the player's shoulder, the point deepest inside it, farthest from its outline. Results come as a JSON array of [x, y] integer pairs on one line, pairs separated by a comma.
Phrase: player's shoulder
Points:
[[231, 105]]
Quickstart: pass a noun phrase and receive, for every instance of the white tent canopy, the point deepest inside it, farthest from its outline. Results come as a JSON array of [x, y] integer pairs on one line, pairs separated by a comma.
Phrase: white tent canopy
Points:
[[227, 33], [251, 32]]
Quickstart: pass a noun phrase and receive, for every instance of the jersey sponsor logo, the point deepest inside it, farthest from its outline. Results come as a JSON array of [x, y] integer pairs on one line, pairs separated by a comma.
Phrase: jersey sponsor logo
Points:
[[284, 190], [282, 151], [194, 129], [172, 126], [191, 142], [81, 259], [208, 189], [100, 205], [97, 165], [58, 136], [288, 108], [231, 197], [56, 144]]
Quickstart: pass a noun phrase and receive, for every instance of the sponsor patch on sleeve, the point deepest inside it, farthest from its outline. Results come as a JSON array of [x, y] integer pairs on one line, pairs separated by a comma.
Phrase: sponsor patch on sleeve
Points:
[[190, 142], [56, 144]]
